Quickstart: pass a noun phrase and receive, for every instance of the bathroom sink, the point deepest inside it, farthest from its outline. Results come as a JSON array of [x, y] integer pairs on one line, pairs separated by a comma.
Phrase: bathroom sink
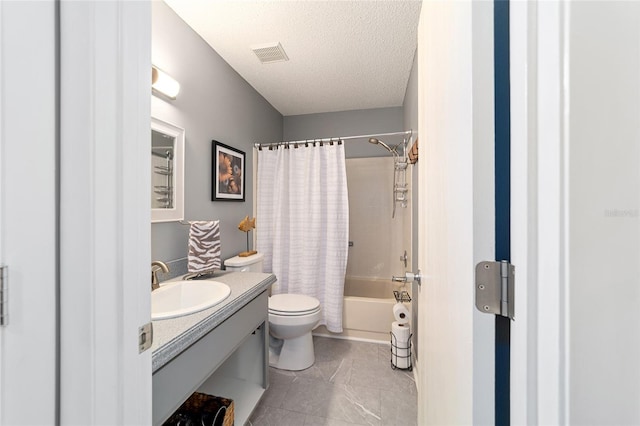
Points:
[[180, 298]]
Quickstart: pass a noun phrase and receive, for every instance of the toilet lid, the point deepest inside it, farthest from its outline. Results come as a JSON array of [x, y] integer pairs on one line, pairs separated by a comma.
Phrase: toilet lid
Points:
[[288, 304]]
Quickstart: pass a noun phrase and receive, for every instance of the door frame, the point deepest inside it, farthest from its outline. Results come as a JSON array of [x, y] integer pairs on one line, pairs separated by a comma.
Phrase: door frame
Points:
[[105, 215], [502, 188], [539, 350]]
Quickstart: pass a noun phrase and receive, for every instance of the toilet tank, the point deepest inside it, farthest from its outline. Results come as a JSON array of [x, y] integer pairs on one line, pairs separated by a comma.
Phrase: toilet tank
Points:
[[251, 263]]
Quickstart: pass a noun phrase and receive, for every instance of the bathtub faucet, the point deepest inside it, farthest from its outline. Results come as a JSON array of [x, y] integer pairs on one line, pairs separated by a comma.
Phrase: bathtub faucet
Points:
[[408, 277]]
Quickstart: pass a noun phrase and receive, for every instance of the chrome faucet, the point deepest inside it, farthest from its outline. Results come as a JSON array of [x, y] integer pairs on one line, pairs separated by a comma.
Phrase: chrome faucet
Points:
[[157, 266]]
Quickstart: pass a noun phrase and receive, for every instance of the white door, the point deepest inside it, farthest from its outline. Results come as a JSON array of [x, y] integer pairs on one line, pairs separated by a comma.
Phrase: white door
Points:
[[456, 343], [576, 87], [28, 197], [74, 212]]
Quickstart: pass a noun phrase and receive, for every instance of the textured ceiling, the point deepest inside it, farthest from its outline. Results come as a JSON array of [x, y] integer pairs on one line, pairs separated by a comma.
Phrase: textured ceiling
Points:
[[344, 55]]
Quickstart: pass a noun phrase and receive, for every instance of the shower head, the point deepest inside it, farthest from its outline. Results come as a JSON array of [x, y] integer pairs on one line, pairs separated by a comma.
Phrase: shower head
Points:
[[376, 141]]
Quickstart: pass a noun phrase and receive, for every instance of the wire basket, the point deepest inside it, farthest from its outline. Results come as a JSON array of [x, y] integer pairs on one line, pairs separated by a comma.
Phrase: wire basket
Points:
[[401, 296]]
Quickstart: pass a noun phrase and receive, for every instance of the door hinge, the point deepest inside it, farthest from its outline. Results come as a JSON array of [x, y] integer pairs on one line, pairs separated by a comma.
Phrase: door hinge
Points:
[[495, 288], [145, 337], [4, 295]]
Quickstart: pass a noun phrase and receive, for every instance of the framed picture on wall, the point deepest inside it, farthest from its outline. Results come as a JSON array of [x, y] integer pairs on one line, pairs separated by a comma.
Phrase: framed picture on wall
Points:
[[227, 173]]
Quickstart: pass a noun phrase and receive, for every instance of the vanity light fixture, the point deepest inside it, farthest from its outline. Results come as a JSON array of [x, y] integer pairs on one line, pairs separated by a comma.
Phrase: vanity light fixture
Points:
[[163, 83]]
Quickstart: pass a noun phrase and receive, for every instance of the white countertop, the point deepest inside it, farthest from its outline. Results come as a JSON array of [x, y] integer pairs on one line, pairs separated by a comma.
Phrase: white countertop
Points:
[[174, 335]]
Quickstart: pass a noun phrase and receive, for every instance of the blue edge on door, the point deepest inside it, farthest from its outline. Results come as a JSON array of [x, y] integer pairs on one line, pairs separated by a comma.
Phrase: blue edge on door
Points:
[[502, 198]]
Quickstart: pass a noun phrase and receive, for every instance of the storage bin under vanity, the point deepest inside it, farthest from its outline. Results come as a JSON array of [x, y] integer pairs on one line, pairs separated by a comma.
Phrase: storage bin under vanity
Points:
[[203, 409]]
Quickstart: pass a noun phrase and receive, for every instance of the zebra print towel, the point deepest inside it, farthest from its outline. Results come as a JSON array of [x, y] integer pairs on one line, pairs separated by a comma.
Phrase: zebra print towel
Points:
[[204, 246]]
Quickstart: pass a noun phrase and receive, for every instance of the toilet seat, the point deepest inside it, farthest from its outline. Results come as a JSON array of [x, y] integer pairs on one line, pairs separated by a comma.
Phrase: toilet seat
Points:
[[293, 305]]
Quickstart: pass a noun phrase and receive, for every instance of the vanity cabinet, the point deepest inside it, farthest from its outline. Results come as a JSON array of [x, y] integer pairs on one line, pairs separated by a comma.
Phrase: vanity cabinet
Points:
[[230, 361]]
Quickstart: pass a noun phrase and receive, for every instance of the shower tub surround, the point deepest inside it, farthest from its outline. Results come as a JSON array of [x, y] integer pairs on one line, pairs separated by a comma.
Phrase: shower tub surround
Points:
[[378, 243], [220, 351]]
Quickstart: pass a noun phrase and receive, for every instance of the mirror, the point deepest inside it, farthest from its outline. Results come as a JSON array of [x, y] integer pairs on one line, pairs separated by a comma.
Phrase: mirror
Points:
[[167, 172]]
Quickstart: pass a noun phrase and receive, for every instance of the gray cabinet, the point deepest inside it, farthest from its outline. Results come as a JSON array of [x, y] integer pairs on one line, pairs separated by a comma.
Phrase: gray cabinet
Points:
[[230, 361]]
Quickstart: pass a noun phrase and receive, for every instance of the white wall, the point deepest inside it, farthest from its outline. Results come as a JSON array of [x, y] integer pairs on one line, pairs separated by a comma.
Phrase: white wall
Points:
[[378, 239], [576, 345], [603, 186]]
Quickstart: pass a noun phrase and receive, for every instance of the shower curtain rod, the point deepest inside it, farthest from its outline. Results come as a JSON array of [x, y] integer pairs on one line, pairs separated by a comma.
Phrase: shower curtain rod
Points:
[[331, 140]]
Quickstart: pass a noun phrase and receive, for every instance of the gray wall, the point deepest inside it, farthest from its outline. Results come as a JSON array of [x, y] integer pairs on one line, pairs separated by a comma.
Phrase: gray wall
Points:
[[214, 103], [348, 123], [410, 104]]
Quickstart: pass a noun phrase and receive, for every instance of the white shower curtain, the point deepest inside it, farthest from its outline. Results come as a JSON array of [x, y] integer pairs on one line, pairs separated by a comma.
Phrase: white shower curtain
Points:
[[303, 223]]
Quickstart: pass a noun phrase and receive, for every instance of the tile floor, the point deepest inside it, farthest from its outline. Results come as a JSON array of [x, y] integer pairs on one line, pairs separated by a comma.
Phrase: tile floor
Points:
[[350, 383]]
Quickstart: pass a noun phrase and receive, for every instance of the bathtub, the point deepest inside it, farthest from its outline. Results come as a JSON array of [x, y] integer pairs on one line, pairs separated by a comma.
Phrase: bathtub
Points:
[[368, 310]]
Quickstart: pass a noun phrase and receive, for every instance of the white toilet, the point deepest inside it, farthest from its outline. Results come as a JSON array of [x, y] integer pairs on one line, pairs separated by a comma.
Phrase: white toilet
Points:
[[291, 319]]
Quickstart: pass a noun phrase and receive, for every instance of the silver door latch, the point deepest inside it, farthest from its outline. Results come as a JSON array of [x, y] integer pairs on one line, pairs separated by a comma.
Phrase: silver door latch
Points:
[[495, 288], [4, 295], [145, 337]]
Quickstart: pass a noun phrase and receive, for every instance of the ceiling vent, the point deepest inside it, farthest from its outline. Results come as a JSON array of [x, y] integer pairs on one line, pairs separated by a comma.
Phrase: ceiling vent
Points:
[[270, 52]]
